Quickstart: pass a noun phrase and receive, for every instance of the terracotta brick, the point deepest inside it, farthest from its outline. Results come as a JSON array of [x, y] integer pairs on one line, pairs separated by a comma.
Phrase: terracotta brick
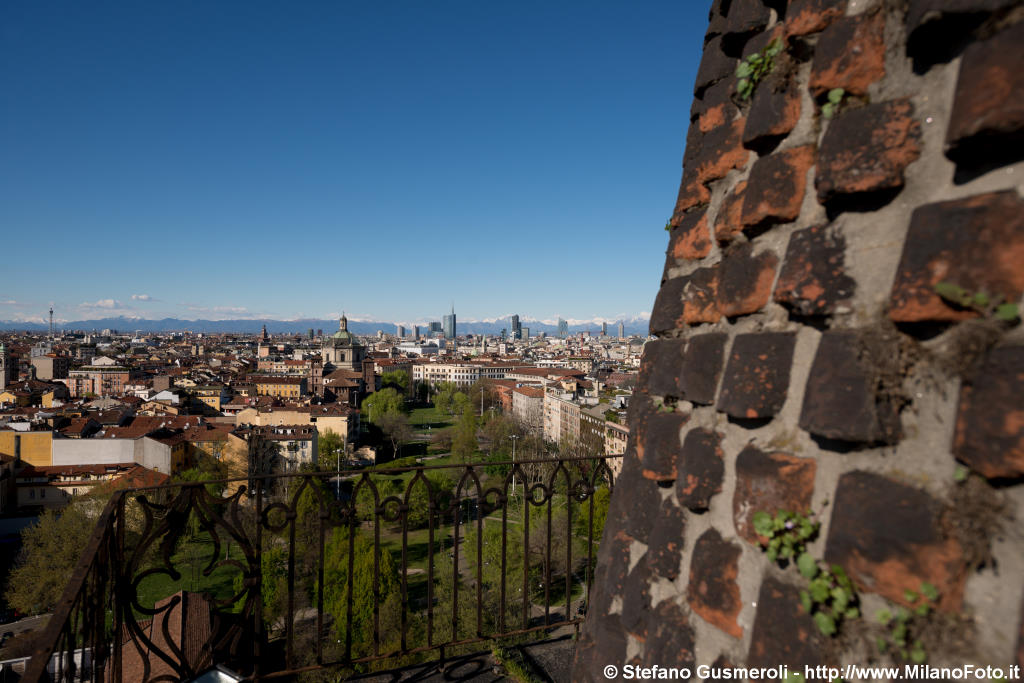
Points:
[[661, 367], [774, 112], [715, 106], [769, 482], [850, 54], [658, 445], [665, 544], [841, 400], [713, 591], [813, 279], [990, 421], [976, 243], [699, 298], [782, 631], [690, 238], [775, 189], [745, 280], [701, 468], [937, 29], [722, 150], [728, 222], [757, 375], [867, 149], [889, 538], [988, 112], [810, 16], [670, 638], [667, 313], [702, 365]]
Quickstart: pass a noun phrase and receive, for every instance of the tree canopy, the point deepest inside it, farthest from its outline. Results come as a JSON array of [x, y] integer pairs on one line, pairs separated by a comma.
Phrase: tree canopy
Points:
[[382, 402]]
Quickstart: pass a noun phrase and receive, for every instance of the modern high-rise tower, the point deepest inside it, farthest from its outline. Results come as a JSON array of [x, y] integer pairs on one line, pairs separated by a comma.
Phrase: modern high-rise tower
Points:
[[448, 324], [517, 327], [622, 334], [563, 328], [604, 329]]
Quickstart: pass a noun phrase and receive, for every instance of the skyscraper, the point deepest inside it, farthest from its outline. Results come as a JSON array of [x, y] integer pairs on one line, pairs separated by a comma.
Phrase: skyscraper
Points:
[[604, 329], [448, 324], [401, 331], [517, 328], [622, 334], [563, 328]]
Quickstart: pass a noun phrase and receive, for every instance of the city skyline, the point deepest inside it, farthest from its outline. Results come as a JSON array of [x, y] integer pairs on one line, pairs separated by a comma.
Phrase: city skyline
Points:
[[201, 162]]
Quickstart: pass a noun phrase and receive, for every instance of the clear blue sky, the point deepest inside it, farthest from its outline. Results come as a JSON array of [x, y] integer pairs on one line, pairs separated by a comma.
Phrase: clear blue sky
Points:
[[240, 159]]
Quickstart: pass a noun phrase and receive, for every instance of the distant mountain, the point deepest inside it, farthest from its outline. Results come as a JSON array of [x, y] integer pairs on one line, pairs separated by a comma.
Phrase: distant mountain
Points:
[[633, 325]]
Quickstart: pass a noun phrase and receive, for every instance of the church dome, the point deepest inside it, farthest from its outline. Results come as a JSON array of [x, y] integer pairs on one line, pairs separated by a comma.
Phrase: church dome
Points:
[[343, 337]]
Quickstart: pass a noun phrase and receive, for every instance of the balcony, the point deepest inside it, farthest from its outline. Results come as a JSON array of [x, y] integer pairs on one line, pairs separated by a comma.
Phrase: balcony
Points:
[[357, 571]]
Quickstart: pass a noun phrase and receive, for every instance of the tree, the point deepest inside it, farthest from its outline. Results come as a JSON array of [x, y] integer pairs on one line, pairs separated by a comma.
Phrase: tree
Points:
[[396, 428], [336, 583], [50, 550], [382, 402], [482, 395], [397, 379], [464, 443], [329, 445]]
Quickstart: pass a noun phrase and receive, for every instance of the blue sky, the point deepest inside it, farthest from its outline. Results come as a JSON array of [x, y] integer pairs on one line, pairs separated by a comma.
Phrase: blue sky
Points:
[[247, 159]]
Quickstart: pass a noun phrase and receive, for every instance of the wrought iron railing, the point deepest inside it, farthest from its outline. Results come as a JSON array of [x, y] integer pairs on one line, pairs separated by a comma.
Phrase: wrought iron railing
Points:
[[361, 569]]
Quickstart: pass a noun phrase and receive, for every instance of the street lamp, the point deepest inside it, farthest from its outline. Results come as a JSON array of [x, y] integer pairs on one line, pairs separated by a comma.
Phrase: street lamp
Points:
[[514, 438]]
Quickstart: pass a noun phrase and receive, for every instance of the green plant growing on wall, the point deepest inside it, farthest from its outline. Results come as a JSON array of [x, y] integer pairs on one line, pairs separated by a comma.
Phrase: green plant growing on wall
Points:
[[834, 100], [900, 626], [830, 596], [668, 225], [753, 68], [990, 306], [787, 532]]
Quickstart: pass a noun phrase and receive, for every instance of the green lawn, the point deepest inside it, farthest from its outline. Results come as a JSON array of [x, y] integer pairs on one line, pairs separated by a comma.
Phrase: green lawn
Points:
[[190, 560], [420, 418]]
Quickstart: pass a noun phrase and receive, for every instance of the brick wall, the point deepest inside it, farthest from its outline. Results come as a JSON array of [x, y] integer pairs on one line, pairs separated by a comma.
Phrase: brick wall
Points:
[[805, 359]]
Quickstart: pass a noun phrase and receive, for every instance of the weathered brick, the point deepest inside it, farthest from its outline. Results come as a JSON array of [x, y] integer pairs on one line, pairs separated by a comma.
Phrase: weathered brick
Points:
[[715, 106], [745, 280], [813, 279], [842, 399], [603, 640], [701, 469], [990, 422], [692, 193], [976, 243], [639, 508], [658, 445], [850, 54], [690, 238], [866, 150], [611, 570], [699, 298], [937, 29], [667, 313], [769, 482], [774, 112], [636, 601], [757, 375], [702, 365], [713, 591], [665, 544], [889, 538], [661, 367], [722, 150], [670, 638], [782, 631], [810, 16], [775, 189], [714, 65], [745, 18], [987, 122], [728, 222]]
